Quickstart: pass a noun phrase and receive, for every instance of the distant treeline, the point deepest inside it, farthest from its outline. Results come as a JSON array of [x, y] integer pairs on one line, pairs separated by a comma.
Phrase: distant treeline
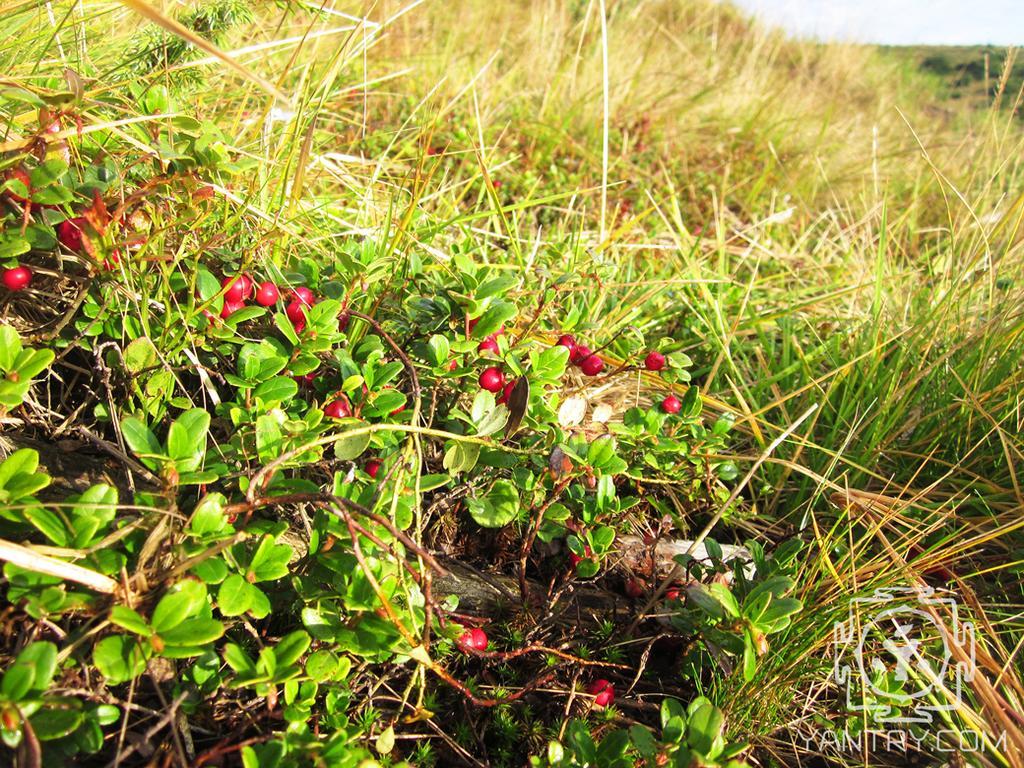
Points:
[[970, 73]]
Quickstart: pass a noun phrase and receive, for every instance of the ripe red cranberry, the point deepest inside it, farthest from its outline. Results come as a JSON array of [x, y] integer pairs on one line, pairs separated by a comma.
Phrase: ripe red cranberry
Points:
[[490, 344], [303, 295], [506, 392], [579, 353], [673, 593], [267, 294], [373, 467], [16, 278], [21, 175], [69, 232], [230, 307], [238, 288], [338, 409], [473, 640], [472, 323], [568, 341], [492, 379], [296, 312], [654, 361], [306, 379], [602, 691], [671, 404], [592, 365], [453, 364]]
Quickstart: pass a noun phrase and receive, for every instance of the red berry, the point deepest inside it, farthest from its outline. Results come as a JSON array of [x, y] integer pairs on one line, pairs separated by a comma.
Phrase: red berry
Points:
[[671, 404], [490, 344], [230, 307], [496, 184], [579, 353], [296, 312], [16, 278], [672, 593], [21, 175], [602, 691], [338, 409], [237, 288], [453, 364], [479, 639], [69, 232], [373, 467], [267, 294], [591, 366], [492, 379], [473, 640], [472, 323], [654, 361], [305, 380], [506, 393], [343, 319], [303, 295], [567, 341]]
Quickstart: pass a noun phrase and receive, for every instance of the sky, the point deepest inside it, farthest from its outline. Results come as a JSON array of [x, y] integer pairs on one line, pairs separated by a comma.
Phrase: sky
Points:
[[898, 22]]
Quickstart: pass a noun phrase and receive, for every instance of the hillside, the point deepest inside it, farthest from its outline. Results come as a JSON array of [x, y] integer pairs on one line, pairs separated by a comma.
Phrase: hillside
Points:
[[491, 384]]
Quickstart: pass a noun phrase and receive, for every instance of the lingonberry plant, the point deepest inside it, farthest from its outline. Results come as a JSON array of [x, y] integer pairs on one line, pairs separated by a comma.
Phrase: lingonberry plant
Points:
[[299, 439]]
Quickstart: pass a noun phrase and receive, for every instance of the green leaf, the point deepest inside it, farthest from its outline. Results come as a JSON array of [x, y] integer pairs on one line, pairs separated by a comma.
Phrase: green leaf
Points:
[[238, 659], [10, 347], [142, 441], [349, 447], [726, 598], [322, 665], [496, 315], [52, 723], [185, 600], [49, 524], [461, 457], [208, 516], [186, 439], [705, 600], [193, 632], [269, 443], [270, 561], [291, 648], [141, 355], [126, 618], [704, 726], [119, 658], [234, 596], [439, 350], [498, 508], [279, 389]]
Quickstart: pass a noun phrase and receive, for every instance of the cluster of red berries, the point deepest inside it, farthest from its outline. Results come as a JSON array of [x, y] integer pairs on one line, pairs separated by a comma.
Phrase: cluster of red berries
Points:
[[581, 355], [241, 288]]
